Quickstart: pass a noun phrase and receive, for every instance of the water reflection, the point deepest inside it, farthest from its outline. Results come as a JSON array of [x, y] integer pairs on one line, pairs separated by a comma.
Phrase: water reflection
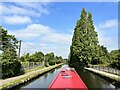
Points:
[[93, 81], [52, 71]]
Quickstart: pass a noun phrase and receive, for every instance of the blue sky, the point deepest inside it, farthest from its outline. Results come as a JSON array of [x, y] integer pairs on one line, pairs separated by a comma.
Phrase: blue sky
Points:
[[49, 26]]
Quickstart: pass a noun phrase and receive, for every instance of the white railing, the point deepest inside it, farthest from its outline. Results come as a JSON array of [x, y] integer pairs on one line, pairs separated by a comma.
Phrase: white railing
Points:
[[106, 69]]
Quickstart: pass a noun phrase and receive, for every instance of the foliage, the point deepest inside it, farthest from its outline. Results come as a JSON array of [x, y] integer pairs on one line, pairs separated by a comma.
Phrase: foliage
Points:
[[84, 42], [48, 59], [37, 57], [9, 45], [58, 59], [10, 64], [11, 68], [51, 62], [85, 48], [25, 57], [104, 56], [115, 59]]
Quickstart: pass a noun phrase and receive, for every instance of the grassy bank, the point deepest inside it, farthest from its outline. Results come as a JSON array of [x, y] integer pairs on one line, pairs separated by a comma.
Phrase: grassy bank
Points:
[[33, 69], [15, 81]]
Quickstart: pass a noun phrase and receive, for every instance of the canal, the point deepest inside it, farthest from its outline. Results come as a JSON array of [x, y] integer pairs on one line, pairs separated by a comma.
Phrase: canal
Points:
[[91, 80]]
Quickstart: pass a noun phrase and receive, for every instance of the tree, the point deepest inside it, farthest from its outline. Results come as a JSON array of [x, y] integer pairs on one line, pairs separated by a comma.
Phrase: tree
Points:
[[103, 55], [115, 59], [50, 58], [84, 46], [58, 59], [25, 57], [78, 41], [92, 38], [9, 45], [10, 65], [37, 57]]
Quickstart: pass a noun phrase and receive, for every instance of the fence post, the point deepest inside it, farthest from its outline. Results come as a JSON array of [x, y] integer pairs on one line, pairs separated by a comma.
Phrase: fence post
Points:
[[118, 72], [21, 65], [33, 64], [28, 65], [108, 69], [115, 70], [103, 68], [112, 70]]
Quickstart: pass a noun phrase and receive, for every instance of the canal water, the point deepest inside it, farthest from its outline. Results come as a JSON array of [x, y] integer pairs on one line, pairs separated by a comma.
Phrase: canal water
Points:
[[91, 80]]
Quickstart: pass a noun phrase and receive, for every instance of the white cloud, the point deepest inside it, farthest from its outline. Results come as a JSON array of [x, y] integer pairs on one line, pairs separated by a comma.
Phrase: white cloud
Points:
[[42, 44], [30, 9], [40, 7], [46, 39], [109, 24], [106, 41], [59, 50], [58, 38], [32, 31], [15, 10], [45, 33], [108, 34], [11, 13], [17, 19]]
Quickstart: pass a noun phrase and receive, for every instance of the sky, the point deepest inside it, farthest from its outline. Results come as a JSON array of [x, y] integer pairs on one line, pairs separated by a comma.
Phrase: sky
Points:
[[49, 26]]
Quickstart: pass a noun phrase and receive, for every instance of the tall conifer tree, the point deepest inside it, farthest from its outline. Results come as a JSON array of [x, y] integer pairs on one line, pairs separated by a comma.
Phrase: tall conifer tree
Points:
[[92, 40], [84, 42]]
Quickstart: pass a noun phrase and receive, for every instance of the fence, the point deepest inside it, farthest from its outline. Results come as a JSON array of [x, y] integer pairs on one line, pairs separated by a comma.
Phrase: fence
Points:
[[107, 69], [30, 65]]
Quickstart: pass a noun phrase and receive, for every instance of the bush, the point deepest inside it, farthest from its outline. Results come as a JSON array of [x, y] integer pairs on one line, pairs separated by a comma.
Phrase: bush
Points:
[[11, 68], [57, 62], [51, 62], [95, 61], [18, 68], [115, 64]]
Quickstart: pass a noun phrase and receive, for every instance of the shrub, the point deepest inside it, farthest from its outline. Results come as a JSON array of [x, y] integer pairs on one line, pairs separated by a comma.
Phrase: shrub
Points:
[[51, 62], [11, 68]]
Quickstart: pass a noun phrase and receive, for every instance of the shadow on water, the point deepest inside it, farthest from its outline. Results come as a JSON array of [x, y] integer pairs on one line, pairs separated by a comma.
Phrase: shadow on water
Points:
[[52, 71], [93, 81]]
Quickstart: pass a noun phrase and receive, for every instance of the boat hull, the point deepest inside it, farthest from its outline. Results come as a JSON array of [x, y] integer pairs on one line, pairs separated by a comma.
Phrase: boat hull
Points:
[[68, 79]]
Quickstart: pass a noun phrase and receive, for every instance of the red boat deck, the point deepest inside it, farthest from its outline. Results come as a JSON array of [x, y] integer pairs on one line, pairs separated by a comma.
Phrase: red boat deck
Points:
[[68, 79]]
